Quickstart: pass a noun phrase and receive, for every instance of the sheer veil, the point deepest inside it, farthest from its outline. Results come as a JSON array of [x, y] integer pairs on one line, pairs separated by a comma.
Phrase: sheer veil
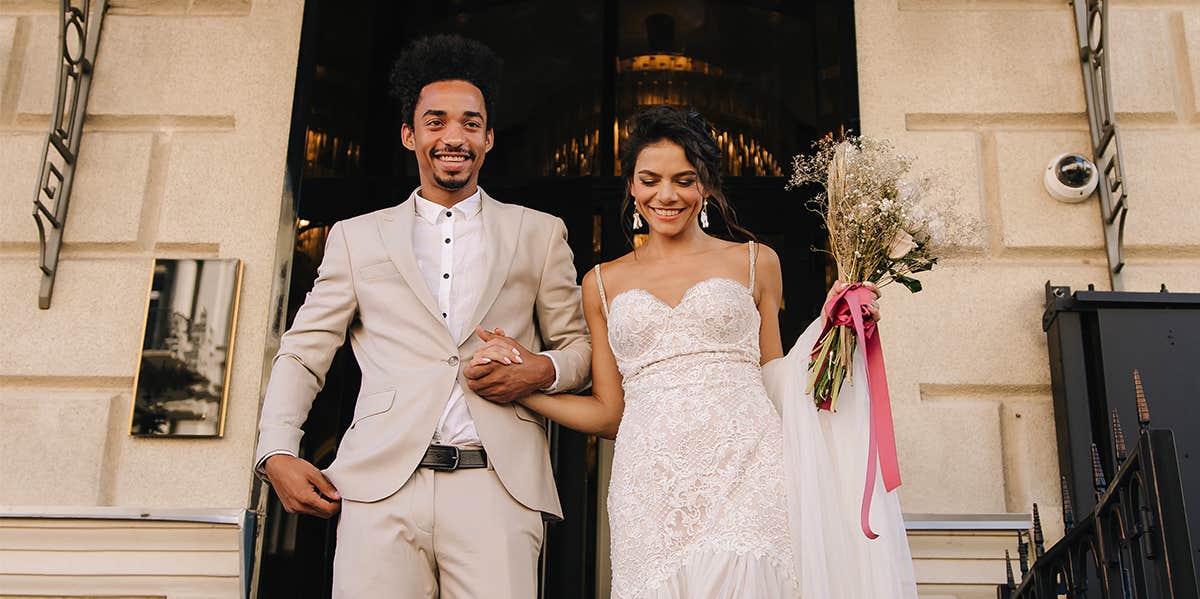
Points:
[[825, 456]]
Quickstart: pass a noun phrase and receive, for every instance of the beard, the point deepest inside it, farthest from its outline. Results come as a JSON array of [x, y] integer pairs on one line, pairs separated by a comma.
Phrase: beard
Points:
[[452, 183], [456, 181]]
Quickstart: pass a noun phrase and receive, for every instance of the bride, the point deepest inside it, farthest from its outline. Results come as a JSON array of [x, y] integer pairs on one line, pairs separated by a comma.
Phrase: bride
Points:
[[713, 494]]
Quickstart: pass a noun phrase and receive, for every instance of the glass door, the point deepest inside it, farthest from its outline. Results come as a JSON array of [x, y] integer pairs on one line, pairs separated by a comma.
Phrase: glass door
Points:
[[771, 76]]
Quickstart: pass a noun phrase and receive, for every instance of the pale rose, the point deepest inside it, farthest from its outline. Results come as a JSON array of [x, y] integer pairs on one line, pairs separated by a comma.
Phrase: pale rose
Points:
[[901, 245]]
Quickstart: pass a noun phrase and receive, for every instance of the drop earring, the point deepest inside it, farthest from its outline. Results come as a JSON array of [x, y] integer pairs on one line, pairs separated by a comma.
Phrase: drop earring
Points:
[[704, 214], [637, 220]]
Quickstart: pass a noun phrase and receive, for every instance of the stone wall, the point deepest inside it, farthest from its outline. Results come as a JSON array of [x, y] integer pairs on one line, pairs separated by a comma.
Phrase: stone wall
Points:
[[987, 92], [182, 156]]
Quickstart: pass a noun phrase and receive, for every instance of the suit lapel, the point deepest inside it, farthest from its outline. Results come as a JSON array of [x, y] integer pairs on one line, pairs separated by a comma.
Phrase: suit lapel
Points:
[[502, 230], [396, 228]]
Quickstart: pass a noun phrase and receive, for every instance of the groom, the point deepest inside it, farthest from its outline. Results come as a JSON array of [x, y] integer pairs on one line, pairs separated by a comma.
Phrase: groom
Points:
[[442, 493]]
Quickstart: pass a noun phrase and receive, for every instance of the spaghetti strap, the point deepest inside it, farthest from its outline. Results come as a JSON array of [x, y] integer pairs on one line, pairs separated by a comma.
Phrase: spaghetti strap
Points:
[[600, 287], [753, 256]]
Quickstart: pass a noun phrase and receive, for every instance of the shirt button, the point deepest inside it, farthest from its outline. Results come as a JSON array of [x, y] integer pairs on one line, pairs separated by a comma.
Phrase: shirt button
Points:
[[452, 360], [444, 315], [447, 240], [446, 275], [449, 214]]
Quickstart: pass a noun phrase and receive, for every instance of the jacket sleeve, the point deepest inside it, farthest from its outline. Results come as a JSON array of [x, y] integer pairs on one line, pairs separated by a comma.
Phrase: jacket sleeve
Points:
[[306, 351], [559, 312]]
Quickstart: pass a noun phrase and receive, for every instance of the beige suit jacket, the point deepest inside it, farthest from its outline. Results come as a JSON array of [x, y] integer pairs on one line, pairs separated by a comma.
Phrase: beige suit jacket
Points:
[[369, 283]]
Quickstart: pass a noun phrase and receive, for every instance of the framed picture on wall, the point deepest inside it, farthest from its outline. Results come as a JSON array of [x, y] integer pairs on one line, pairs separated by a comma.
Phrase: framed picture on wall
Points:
[[182, 385]]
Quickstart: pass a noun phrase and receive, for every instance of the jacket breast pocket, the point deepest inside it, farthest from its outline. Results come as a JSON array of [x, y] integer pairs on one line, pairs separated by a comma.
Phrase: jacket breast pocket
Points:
[[375, 271], [373, 405]]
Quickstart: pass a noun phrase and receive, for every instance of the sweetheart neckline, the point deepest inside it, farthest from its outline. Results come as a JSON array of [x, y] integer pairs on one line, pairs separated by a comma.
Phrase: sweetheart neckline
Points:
[[683, 298]]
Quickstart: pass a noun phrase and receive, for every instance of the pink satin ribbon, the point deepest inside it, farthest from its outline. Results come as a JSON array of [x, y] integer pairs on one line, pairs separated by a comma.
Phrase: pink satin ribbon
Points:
[[849, 307]]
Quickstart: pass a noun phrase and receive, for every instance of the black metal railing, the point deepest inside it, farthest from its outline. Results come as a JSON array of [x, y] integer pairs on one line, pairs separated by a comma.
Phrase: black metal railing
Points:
[[1133, 544]]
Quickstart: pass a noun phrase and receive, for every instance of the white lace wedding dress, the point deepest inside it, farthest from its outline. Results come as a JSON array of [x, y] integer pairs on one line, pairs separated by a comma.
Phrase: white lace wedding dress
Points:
[[713, 494]]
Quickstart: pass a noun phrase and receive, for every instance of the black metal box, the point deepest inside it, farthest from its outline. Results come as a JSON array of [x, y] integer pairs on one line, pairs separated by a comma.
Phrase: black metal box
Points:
[[1096, 339]]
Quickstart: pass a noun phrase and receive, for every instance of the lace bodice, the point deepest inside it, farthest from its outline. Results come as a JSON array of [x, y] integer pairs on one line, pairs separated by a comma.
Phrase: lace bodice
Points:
[[697, 467], [713, 317]]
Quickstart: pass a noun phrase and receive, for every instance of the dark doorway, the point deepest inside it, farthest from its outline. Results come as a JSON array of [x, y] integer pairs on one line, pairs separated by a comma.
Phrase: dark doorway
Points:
[[771, 76]]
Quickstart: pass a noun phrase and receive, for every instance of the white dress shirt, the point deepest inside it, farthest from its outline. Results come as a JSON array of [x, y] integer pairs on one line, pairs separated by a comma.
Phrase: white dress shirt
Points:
[[449, 246]]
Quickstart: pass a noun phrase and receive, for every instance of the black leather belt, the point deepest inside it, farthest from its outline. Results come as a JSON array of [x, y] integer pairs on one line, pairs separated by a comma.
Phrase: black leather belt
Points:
[[447, 458]]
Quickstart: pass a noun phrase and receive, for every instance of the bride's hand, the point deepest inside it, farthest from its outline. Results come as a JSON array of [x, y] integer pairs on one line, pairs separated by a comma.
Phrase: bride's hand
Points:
[[502, 370], [496, 348], [872, 307]]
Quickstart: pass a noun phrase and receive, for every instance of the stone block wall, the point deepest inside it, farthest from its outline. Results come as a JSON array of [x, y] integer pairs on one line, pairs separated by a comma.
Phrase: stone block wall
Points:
[[182, 157], [988, 92]]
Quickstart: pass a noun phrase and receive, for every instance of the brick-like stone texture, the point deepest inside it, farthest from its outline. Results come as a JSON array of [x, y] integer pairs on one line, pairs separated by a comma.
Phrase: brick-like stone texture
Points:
[[106, 201], [8, 33], [149, 66], [51, 445], [1191, 32], [1001, 61], [93, 326], [950, 457], [1031, 217], [974, 323], [1142, 73], [1159, 168]]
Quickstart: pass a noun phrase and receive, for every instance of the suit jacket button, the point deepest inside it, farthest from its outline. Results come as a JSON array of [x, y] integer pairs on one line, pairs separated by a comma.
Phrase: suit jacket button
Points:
[[452, 360]]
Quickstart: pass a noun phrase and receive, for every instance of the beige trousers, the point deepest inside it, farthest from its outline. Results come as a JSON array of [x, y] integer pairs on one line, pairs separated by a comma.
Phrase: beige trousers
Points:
[[447, 535]]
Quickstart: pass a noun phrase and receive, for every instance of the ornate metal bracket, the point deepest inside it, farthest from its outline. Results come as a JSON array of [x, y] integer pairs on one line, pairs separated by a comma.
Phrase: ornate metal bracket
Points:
[[78, 41], [1091, 27]]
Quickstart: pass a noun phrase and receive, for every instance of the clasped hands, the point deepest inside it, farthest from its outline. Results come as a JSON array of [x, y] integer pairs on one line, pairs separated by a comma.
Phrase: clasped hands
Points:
[[502, 370]]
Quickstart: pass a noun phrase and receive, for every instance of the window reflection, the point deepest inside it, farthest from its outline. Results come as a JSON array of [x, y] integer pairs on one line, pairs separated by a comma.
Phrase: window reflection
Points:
[[771, 77], [748, 67]]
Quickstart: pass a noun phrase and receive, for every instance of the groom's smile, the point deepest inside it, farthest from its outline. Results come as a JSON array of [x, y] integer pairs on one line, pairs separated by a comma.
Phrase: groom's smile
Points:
[[452, 161]]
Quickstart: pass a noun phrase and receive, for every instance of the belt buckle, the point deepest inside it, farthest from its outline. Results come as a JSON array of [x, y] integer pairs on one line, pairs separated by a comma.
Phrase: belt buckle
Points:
[[457, 456]]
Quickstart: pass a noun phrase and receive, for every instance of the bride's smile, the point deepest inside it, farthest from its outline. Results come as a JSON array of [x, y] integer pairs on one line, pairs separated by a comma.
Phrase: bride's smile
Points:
[[666, 213]]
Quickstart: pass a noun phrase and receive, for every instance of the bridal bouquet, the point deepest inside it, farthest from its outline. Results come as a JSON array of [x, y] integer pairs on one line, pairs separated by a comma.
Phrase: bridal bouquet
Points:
[[882, 229]]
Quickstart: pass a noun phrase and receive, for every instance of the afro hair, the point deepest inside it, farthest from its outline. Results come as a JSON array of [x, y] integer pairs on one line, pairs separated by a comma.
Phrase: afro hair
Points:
[[444, 58]]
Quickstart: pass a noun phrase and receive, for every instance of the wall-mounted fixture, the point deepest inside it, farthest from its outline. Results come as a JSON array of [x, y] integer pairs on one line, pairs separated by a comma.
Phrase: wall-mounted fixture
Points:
[[78, 41], [1070, 178]]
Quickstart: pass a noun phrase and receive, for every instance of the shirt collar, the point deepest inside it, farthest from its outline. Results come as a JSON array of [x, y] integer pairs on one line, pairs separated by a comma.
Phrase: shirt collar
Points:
[[432, 212]]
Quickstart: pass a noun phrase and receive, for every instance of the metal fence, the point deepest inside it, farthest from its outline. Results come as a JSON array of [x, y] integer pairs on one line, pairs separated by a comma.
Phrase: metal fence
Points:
[[1133, 544]]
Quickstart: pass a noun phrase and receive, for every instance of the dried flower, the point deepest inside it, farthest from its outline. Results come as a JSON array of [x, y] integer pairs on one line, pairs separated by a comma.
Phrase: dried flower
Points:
[[901, 245], [882, 227]]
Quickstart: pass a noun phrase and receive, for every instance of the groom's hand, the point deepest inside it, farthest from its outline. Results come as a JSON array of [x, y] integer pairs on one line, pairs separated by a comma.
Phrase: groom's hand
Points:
[[503, 371], [301, 487]]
